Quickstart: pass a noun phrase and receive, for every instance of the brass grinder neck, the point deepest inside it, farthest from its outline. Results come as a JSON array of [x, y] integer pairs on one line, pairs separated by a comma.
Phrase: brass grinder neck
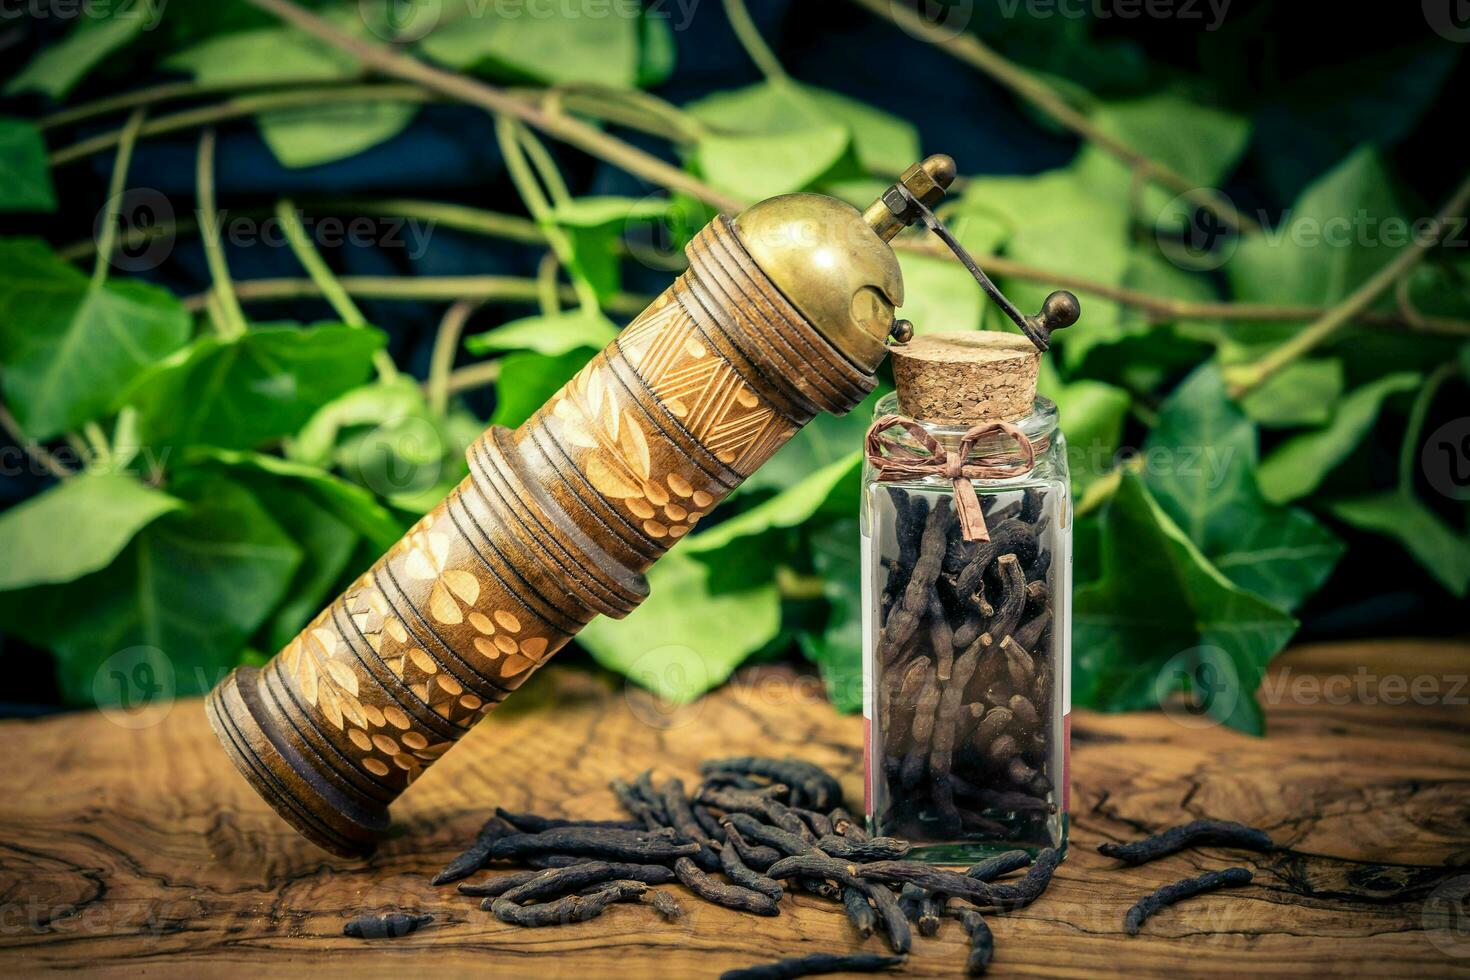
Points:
[[928, 181]]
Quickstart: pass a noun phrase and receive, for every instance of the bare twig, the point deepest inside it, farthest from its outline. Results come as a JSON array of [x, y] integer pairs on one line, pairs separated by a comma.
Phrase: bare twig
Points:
[[33, 448], [232, 318], [447, 289], [107, 240], [446, 345], [331, 290], [1247, 377], [975, 53], [474, 376], [1164, 308], [246, 105], [755, 46]]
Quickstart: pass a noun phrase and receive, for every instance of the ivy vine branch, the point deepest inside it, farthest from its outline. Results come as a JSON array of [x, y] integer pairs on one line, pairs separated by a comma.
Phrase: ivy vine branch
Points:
[[32, 448], [486, 289], [968, 48], [1248, 377], [517, 229]]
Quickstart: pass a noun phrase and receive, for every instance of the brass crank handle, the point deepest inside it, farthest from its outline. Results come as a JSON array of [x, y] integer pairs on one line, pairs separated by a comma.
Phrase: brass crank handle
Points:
[[1060, 310]]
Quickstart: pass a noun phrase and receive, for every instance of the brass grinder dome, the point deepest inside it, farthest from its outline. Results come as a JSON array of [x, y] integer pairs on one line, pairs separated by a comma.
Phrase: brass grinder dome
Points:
[[834, 268]]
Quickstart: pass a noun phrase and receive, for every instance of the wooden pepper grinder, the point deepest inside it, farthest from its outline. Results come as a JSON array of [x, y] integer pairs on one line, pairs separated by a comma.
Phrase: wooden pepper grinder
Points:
[[785, 312]]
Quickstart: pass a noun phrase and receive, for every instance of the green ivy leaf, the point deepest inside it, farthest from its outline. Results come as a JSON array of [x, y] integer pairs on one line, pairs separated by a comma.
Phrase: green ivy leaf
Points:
[[790, 508], [25, 177], [1324, 251], [1298, 466], [75, 528], [326, 542], [70, 347], [1305, 393], [385, 437], [309, 135], [551, 50], [838, 649], [346, 502], [657, 54], [767, 139], [1158, 598], [939, 296], [1199, 463], [1399, 515], [1091, 414], [884, 143], [1201, 142], [58, 68], [596, 227], [550, 335], [193, 584], [528, 379], [686, 638], [240, 392]]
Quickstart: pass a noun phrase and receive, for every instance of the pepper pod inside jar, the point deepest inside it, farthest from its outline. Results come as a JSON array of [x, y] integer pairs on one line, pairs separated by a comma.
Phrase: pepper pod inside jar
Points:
[[967, 555]]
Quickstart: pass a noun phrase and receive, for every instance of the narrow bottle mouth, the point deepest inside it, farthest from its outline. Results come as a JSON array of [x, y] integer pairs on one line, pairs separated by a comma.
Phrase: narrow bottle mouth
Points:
[[1039, 426]]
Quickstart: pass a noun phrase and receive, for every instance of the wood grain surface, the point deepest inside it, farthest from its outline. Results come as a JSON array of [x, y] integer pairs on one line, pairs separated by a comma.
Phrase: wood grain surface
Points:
[[125, 850]]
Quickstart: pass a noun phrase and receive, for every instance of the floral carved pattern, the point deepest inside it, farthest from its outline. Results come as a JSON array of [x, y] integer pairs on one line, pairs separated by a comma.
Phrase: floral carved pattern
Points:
[[317, 661], [617, 461]]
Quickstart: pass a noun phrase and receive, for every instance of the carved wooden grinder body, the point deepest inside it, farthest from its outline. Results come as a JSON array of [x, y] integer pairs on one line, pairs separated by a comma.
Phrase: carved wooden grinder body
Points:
[[783, 313]]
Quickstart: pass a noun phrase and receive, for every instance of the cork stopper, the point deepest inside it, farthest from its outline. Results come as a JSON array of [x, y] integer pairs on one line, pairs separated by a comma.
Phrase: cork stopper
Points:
[[964, 378]]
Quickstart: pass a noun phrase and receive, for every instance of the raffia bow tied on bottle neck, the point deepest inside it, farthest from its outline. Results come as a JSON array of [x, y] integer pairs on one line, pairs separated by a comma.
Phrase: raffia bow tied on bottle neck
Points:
[[894, 460]]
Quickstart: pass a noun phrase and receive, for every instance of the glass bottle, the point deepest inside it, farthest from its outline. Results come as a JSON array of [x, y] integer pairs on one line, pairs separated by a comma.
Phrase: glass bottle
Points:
[[967, 649]]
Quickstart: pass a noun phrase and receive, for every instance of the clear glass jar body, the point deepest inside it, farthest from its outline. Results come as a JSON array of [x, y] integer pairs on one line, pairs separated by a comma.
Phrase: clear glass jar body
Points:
[[967, 654]]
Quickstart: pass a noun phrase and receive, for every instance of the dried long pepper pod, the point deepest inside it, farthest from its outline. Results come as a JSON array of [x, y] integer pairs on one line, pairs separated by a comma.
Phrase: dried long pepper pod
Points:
[[611, 845], [474, 857], [743, 875], [593, 870], [813, 965], [982, 942], [390, 926], [557, 882], [999, 866], [532, 823], [859, 912], [731, 896], [1179, 891], [667, 905], [573, 908], [872, 849], [1198, 833]]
